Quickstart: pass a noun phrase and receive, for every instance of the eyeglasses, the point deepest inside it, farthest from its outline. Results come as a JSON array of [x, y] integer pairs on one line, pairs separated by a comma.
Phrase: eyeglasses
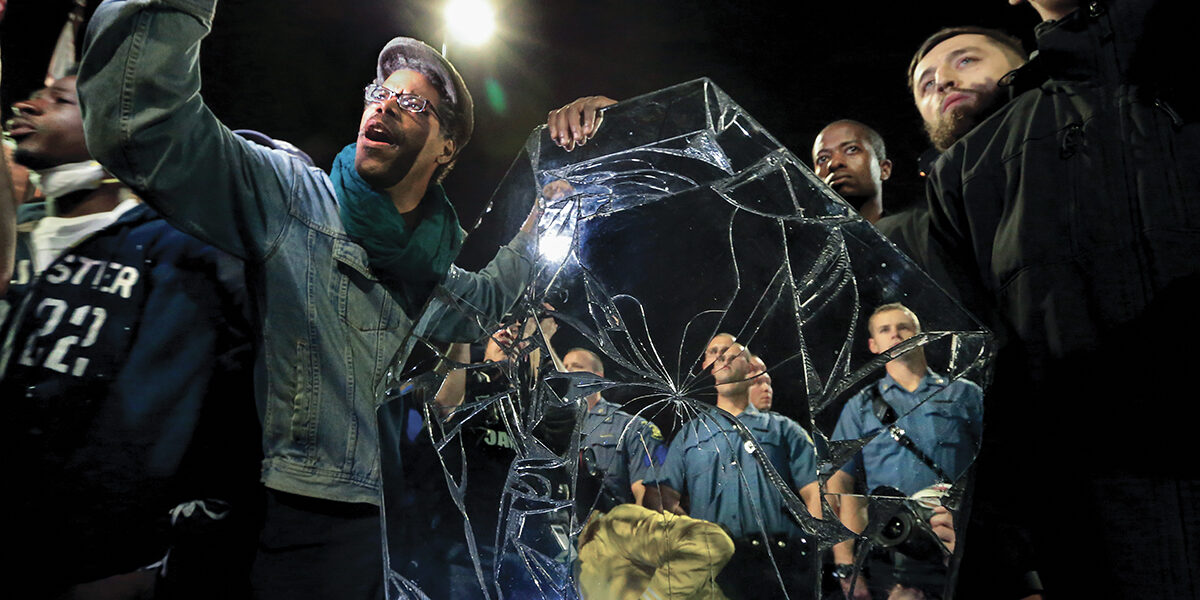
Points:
[[410, 102]]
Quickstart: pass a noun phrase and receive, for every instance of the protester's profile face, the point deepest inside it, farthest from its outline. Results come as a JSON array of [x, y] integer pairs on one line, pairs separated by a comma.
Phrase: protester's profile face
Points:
[[580, 361], [718, 344], [955, 85], [761, 392], [49, 127], [889, 328], [393, 142], [844, 159]]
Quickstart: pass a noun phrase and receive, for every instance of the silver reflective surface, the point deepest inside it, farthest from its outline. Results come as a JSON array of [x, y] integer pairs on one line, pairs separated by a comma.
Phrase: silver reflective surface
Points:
[[673, 250]]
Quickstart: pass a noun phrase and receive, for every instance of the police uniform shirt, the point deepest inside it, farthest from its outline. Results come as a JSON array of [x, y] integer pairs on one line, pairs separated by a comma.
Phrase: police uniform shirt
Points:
[[628, 448], [946, 427], [710, 461]]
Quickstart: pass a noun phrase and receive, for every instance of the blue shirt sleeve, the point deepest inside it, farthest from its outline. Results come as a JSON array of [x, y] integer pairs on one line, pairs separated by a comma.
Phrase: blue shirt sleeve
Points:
[[644, 449], [802, 457], [672, 471], [850, 427]]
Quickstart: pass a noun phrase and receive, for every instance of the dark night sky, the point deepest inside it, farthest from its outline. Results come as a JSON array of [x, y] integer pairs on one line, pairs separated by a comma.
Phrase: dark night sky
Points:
[[294, 69]]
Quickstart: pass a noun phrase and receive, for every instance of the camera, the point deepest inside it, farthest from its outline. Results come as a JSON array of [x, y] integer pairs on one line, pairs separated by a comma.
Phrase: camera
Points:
[[908, 531]]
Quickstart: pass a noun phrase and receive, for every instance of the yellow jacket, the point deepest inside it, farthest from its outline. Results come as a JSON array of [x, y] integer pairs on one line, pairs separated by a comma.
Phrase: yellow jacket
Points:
[[634, 553]]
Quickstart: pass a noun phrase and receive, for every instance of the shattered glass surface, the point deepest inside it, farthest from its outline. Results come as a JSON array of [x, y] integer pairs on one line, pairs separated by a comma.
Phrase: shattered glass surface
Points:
[[681, 220]]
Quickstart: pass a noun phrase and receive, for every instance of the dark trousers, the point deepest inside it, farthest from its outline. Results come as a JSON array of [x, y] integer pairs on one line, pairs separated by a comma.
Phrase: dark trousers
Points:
[[318, 549]]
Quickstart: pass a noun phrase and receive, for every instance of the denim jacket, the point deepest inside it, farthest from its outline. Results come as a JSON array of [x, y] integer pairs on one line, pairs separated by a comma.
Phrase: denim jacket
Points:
[[329, 329]]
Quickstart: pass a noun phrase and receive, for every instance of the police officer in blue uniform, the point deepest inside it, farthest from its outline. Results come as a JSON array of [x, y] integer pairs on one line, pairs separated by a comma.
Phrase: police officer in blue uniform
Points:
[[940, 422], [623, 448], [716, 468], [762, 393]]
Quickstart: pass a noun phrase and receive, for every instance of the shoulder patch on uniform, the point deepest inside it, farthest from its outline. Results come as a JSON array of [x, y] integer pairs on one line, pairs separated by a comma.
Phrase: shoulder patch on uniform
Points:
[[655, 432]]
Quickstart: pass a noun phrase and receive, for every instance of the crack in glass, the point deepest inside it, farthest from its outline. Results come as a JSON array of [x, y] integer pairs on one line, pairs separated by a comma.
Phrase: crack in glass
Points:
[[679, 248]]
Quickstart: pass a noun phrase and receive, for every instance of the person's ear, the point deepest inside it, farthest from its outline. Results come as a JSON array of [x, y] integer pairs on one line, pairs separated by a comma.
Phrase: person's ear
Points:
[[447, 153], [885, 170]]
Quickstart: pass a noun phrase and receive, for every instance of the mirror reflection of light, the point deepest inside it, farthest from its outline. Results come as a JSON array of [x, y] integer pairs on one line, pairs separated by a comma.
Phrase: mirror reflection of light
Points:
[[470, 21], [554, 248]]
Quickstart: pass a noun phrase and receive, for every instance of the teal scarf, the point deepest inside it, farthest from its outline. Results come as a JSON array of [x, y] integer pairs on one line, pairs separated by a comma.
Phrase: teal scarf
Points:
[[409, 263]]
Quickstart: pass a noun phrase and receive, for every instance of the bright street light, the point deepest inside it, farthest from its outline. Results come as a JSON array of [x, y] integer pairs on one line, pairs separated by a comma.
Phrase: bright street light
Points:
[[471, 22]]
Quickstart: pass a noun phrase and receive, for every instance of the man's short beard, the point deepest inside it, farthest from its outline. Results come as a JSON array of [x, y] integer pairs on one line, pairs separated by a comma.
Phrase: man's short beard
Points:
[[950, 128], [396, 170]]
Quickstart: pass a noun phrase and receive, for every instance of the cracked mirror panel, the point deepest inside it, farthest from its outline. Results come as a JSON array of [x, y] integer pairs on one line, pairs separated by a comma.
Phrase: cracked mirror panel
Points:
[[718, 381]]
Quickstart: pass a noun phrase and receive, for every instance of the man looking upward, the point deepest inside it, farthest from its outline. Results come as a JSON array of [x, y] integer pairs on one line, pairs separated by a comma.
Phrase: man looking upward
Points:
[[339, 266], [1071, 210], [955, 77]]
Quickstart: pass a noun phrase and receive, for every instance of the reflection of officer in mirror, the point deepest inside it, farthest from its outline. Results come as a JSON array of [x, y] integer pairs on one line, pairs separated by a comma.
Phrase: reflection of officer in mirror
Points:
[[626, 448], [926, 429], [762, 394], [725, 483]]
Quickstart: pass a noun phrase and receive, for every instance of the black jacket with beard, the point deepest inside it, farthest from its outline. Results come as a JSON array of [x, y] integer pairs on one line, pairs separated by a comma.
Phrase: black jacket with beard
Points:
[[1073, 214]]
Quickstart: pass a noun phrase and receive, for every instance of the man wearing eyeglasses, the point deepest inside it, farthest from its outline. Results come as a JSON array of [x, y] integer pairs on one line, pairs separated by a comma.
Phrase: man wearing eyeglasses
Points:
[[339, 265]]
